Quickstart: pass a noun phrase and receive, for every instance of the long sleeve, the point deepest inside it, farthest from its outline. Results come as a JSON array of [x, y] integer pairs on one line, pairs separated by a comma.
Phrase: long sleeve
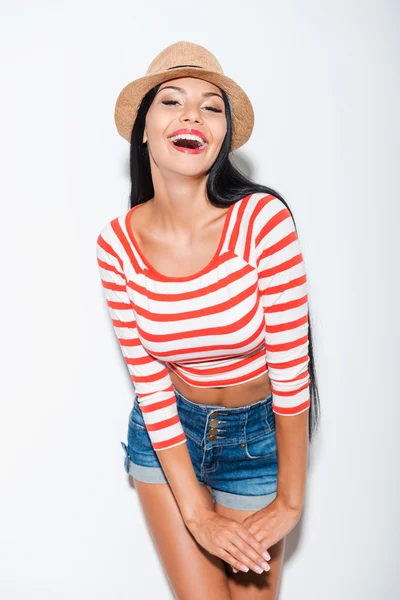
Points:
[[151, 378], [284, 296]]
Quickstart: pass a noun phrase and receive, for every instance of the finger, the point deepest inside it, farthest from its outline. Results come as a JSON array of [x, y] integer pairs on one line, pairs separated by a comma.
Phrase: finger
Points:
[[256, 545], [228, 558], [238, 549]]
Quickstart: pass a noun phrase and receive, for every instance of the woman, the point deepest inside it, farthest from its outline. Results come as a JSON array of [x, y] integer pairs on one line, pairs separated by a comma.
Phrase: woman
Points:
[[206, 286]]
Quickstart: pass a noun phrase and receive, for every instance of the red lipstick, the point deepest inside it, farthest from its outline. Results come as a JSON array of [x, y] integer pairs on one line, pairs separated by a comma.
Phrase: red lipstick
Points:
[[189, 131]]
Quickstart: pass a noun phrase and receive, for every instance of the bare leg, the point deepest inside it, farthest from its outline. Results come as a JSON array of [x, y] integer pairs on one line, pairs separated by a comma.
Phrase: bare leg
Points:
[[250, 585], [193, 573]]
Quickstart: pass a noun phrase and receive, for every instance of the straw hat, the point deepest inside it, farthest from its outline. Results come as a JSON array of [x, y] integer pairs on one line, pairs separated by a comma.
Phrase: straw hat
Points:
[[185, 59]]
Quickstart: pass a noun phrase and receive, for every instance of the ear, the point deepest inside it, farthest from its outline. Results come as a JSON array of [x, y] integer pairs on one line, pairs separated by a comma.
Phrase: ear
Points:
[[144, 137]]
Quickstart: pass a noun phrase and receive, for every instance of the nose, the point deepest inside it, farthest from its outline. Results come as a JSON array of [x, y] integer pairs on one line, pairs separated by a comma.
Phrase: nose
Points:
[[191, 119], [192, 114]]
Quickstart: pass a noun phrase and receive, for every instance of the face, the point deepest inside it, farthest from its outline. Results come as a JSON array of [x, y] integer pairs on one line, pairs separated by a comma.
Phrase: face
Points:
[[189, 104]]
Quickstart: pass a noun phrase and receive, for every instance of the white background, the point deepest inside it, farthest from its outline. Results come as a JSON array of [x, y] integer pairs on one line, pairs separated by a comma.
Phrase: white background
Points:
[[323, 77]]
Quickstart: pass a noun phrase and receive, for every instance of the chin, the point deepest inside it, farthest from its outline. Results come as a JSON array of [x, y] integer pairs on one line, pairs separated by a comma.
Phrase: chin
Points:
[[191, 172], [188, 170]]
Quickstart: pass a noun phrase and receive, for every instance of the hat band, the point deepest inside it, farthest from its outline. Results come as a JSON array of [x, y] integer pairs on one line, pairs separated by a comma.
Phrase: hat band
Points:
[[180, 66]]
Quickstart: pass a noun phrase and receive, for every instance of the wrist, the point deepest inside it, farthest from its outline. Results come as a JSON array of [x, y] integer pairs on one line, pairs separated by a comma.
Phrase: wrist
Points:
[[291, 504], [193, 514]]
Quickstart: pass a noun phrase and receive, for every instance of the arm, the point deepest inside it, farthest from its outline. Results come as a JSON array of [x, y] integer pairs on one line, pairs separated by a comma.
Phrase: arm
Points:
[[292, 443], [283, 289], [151, 378]]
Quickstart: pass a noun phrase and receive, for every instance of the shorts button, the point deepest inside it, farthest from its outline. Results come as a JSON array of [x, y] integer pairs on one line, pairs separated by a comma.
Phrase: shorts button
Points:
[[213, 423], [244, 443]]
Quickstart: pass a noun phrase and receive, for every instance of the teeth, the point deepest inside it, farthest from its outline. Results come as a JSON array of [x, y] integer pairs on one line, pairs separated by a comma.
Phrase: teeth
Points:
[[187, 136]]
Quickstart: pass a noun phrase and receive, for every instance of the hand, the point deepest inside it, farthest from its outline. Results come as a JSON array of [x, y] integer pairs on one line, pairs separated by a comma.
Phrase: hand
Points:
[[270, 524], [230, 540]]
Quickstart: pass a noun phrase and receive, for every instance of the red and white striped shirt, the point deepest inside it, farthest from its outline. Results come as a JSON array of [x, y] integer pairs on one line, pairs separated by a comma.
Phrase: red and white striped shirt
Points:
[[244, 314]]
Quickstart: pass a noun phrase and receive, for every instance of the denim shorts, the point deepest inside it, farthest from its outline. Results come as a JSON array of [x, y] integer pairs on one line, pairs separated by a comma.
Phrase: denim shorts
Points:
[[233, 450]]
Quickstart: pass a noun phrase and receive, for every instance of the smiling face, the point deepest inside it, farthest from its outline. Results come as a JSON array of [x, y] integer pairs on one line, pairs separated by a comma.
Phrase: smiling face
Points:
[[191, 112]]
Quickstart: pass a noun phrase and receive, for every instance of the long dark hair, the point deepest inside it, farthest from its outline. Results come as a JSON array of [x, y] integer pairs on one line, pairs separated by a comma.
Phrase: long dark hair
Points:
[[225, 186]]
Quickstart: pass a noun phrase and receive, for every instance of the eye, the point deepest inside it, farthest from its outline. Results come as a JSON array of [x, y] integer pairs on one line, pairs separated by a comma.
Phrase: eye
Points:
[[169, 101], [214, 109], [211, 108]]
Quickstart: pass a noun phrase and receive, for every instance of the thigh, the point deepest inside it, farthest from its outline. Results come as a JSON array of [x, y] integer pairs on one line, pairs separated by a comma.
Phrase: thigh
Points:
[[193, 573], [250, 585]]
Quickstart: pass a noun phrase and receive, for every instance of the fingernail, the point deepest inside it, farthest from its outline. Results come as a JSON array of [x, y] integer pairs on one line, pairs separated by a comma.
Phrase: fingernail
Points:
[[234, 570], [258, 569], [265, 566], [245, 569], [266, 556]]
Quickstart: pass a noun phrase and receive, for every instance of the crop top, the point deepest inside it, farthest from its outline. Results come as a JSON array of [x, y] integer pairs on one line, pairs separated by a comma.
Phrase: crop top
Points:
[[244, 314]]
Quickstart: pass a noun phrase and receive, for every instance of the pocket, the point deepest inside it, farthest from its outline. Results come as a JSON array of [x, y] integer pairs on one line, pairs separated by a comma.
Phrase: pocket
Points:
[[138, 437], [270, 415], [139, 440], [262, 447], [136, 417]]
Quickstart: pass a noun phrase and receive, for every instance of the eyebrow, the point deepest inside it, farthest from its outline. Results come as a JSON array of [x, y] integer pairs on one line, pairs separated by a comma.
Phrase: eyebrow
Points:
[[179, 89]]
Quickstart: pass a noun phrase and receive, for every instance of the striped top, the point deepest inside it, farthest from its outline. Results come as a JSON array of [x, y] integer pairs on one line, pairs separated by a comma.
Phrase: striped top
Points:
[[244, 314]]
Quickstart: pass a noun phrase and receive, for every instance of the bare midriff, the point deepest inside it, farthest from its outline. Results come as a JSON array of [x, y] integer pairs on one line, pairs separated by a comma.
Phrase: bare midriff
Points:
[[229, 396]]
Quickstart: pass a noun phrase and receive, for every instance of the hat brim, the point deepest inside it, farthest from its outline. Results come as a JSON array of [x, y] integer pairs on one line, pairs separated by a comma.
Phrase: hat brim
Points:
[[132, 94]]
